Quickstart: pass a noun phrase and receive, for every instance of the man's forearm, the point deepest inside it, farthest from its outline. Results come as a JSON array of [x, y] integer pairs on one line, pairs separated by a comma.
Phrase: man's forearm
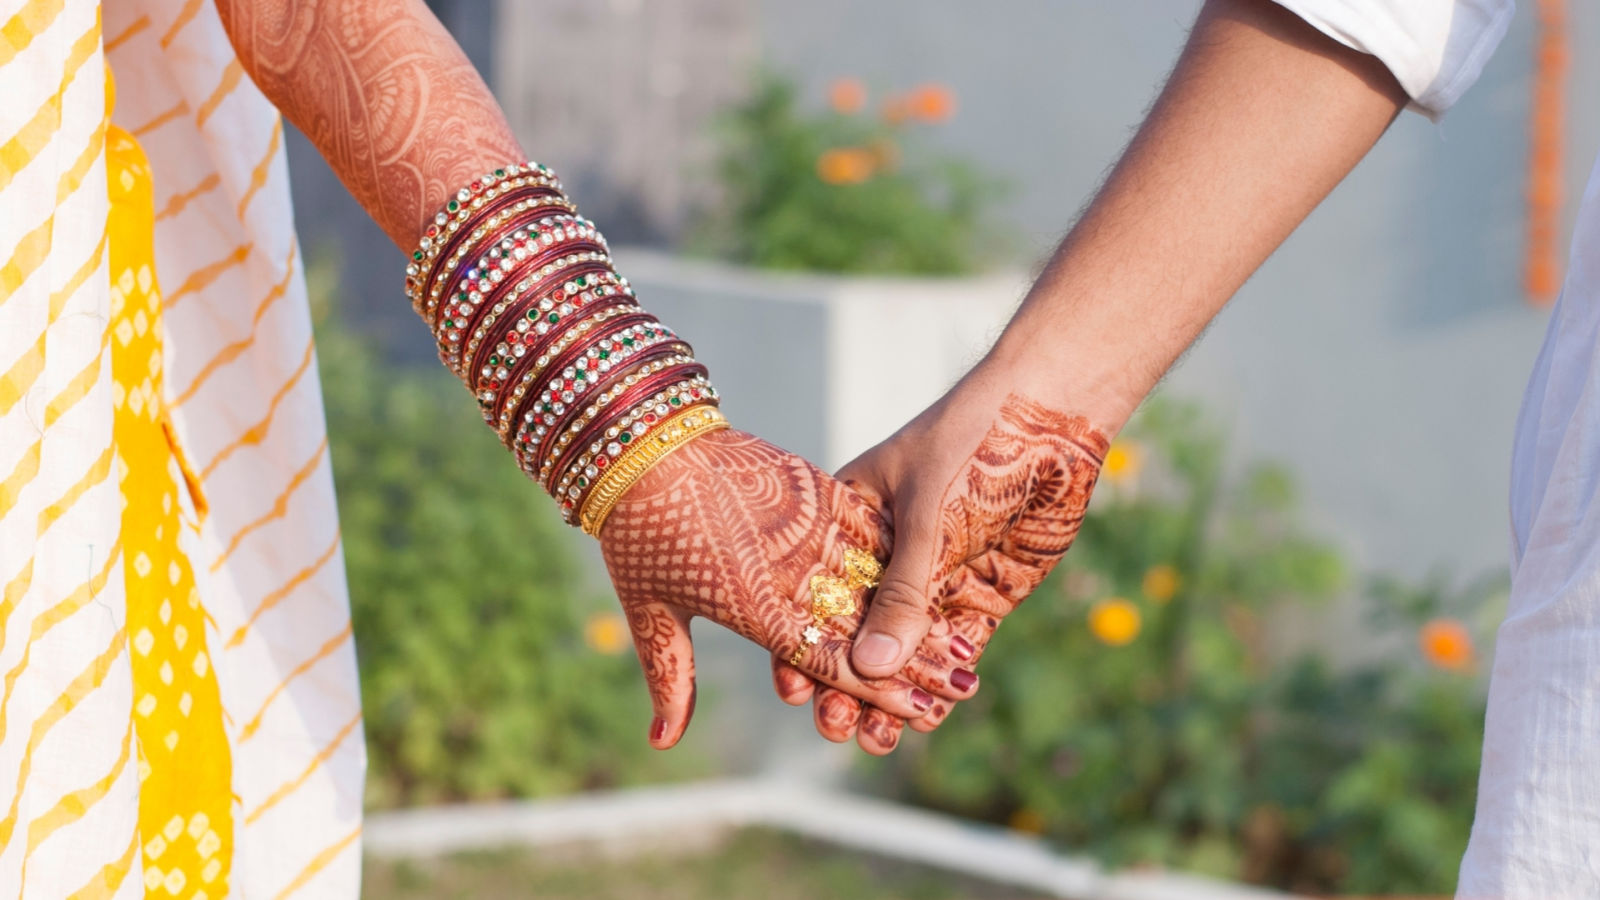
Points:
[[1260, 119], [384, 93]]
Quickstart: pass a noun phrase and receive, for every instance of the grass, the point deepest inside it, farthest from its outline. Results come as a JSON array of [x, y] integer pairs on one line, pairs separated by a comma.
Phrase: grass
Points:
[[750, 864]]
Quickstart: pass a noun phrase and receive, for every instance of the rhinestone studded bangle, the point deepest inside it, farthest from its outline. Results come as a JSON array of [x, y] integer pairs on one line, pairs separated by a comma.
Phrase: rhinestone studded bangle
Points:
[[526, 308], [594, 459], [524, 382]]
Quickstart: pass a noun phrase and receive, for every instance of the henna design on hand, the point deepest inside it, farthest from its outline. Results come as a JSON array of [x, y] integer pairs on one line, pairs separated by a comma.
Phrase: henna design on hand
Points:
[[732, 528], [1006, 517]]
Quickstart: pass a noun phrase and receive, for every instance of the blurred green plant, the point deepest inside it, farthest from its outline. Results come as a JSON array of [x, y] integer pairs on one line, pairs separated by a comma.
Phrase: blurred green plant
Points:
[[842, 190], [1148, 705], [488, 668]]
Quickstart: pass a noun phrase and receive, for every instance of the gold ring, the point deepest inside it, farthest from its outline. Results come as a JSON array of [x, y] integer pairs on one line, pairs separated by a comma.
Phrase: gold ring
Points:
[[834, 596]]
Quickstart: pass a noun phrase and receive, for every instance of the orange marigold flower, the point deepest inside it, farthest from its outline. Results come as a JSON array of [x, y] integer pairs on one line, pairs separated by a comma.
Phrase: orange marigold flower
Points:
[[847, 96], [1446, 643], [1114, 621], [1122, 462], [846, 165], [606, 633], [1161, 583], [932, 103]]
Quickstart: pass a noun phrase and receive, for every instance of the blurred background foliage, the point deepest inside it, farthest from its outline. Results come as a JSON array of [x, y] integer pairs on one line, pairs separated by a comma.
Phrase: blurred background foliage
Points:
[[1152, 703], [490, 667], [847, 189]]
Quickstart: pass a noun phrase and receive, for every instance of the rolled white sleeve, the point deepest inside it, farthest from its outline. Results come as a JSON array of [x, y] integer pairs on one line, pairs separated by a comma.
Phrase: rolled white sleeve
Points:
[[1434, 48]]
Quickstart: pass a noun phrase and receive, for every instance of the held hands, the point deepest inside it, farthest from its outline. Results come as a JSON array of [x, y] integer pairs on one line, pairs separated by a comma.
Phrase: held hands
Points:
[[987, 492], [733, 529]]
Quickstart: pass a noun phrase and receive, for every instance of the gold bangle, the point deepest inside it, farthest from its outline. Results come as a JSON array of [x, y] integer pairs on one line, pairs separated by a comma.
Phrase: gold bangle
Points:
[[641, 457]]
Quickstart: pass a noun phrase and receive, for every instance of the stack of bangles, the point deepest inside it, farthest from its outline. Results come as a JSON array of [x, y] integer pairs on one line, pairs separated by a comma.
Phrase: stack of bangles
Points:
[[587, 389]]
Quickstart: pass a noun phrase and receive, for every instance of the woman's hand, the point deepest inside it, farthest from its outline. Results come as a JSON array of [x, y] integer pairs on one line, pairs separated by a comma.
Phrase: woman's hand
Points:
[[733, 528], [986, 490]]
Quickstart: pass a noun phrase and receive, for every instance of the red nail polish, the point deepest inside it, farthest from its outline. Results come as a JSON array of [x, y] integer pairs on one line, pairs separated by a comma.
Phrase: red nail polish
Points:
[[658, 729], [921, 699], [962, 680], [961, 648]]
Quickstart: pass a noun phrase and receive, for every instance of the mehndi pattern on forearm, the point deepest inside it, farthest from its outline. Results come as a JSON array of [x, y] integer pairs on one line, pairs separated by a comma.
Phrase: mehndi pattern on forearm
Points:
[[383, 92]]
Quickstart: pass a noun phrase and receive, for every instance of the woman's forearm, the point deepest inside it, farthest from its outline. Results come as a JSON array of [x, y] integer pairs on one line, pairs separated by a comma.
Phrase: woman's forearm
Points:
[[1261, 118], [384, 92]]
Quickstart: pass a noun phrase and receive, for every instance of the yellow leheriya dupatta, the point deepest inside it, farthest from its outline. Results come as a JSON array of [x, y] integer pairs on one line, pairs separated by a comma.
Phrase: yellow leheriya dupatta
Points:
[[179, 714]]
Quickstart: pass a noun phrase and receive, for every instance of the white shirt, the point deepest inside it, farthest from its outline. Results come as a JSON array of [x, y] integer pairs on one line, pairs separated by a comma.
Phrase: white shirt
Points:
[[1536, 834]]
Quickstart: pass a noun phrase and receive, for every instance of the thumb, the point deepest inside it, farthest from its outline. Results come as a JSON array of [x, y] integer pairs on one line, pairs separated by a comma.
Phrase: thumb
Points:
[[666, 653], [901, 612]]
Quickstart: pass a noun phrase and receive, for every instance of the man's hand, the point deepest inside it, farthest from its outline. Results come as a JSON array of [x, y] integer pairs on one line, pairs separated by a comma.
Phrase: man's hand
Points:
[[987, 490], [732, 528]]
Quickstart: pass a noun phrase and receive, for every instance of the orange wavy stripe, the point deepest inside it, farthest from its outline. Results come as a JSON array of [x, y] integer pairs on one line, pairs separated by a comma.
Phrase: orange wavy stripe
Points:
[[326, 650], [138, 25], [237, 348], [294, 784], [180, 200], [280, 506], [185, 16], [318, 863], [162, 119], [230, 80], [276, 597], [258, 175], [257, 432], [203, 277]]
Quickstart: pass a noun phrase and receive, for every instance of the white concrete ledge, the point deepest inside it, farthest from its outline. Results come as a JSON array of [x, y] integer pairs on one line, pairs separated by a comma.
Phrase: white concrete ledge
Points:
[[645, 816]]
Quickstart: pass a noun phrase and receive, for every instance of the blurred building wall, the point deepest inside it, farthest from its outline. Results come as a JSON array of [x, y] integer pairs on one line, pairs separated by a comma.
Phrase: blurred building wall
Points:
[[621, 97]]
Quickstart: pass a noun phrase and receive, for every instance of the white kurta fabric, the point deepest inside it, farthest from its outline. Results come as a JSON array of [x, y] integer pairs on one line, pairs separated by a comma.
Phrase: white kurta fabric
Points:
[[65, 683], [1536, 835], [241, 376], [1434, 48]]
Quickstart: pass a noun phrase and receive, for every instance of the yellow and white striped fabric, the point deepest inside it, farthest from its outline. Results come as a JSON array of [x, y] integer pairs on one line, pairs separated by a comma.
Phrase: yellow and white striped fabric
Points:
[[234, 385]]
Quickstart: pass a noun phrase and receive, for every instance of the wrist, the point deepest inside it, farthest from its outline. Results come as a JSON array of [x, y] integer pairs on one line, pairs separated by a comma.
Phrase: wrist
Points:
[[1068, 374]]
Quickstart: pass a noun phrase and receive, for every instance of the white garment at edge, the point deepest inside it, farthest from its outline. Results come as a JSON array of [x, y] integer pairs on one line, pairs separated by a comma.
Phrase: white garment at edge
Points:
[[1536, 835]]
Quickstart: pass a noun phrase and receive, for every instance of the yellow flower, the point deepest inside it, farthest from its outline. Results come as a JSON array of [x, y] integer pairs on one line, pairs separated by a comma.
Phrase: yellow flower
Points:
[[606, 633], [1028, 821], [1114, 621], [1161, 583], [847, 96], [846, 165], [1122, 462], [1446, 644]]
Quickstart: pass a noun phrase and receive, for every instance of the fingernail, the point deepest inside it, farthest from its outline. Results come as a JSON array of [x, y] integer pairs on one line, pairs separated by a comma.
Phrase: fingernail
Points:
[[876, 650], [961, 648], [963, 680], [658, 729], [921, 699]]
